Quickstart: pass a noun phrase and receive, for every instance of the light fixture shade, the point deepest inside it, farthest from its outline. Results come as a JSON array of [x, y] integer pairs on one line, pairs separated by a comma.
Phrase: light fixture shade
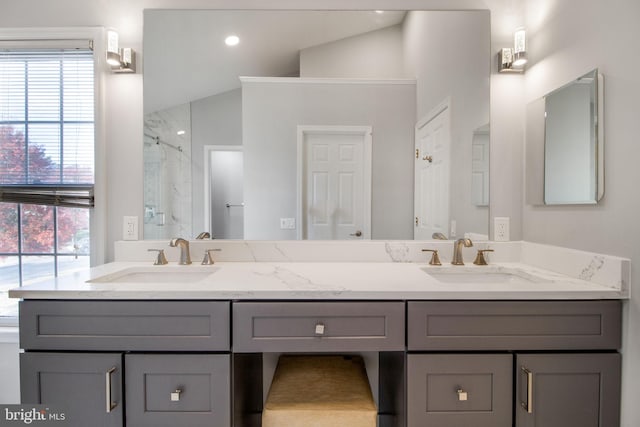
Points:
[[113, 53], [519, 48]]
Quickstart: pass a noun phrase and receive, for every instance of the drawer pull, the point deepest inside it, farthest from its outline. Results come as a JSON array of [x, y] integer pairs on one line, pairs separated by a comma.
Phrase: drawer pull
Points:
[[319, 329], [110, 405], [175, 396], [528, 405], [462, 395]]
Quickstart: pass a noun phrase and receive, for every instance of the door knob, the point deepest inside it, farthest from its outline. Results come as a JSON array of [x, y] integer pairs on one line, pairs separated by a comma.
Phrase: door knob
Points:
[[357, 233], [428, 159]]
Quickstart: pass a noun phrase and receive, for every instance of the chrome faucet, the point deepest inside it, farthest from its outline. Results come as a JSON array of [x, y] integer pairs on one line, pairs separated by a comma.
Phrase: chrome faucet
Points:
[[185, 256], [457, 250]]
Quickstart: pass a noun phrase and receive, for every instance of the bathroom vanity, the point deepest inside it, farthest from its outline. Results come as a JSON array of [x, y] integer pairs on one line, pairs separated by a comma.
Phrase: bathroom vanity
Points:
[[528, 346]]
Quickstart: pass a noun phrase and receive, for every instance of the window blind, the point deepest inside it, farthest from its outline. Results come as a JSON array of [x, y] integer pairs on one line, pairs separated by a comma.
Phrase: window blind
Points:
[[47, 126]]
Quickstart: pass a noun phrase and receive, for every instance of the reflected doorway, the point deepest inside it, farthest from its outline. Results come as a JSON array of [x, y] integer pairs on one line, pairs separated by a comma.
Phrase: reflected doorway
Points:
[[224, 198]]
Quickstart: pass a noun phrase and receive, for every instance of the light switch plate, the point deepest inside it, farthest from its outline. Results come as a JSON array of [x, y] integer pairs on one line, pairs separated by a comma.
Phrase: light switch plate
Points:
[[287, 223]]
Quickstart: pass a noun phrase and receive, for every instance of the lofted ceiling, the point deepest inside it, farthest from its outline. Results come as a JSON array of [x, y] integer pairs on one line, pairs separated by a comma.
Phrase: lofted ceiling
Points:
[[185, 57]]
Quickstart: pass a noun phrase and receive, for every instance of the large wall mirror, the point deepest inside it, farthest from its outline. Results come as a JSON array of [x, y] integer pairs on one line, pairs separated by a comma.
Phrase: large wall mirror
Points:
[[316, 124], [565, 145]]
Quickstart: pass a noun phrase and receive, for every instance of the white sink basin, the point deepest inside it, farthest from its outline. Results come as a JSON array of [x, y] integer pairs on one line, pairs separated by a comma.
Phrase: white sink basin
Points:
[[481, 275], [158, 274]]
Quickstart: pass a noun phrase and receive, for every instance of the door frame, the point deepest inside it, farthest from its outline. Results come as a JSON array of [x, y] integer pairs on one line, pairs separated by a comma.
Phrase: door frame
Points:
[[442, 106], [208, 149], [366, 132]]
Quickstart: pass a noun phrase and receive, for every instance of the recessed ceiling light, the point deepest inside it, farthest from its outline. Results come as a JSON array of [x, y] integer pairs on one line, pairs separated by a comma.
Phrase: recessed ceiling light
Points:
[[232, 40], [379, 11]]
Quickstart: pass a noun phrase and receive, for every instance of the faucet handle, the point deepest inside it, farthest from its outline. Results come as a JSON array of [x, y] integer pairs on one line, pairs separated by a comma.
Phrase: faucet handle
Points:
[[160, 259], [208, 259], [435, 258], [480, 260]]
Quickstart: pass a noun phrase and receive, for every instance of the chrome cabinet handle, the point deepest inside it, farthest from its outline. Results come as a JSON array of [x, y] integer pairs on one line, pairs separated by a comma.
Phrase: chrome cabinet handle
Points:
[[110, 404], [319, 328], [528, 405], [175, 396], [462, 395], [357, 233]]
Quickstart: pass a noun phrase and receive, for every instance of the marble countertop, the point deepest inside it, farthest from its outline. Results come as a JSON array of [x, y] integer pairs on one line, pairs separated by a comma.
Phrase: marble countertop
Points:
[[316, 280]]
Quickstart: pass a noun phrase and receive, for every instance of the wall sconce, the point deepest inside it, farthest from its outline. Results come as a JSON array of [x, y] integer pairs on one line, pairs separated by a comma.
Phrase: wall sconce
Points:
[[121, 60], [513, 60]]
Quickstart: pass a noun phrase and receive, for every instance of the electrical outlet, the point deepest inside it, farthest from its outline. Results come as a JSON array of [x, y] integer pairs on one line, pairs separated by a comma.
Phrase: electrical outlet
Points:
[[130, 228], [287, 223], [501, 229]]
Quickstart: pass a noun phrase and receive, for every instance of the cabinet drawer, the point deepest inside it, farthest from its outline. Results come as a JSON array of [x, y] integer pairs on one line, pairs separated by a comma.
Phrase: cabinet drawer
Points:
[[178, 390], [447, 390], [327, 326], [124, 325], [514, 325]]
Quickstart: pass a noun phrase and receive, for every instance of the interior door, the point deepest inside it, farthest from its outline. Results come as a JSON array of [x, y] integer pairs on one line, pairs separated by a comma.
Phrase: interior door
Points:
[[226, 193], [432, 174], [335, 182]]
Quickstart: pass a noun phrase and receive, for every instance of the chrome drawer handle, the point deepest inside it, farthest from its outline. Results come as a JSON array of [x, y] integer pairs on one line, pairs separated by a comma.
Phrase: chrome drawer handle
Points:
[[110, 405], [319, 329], [175, 396], [462, 395], [528, 405]]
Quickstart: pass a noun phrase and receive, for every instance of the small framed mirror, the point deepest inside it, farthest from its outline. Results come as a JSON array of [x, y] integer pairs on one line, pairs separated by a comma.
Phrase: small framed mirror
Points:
[[565, 144]]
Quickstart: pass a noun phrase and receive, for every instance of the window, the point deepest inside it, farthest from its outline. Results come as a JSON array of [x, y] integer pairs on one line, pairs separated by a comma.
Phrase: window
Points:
[[46, 164]]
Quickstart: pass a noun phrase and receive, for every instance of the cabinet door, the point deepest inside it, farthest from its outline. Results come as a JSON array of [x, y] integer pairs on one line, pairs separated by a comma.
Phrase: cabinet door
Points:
[[86, 387], [560, 390]]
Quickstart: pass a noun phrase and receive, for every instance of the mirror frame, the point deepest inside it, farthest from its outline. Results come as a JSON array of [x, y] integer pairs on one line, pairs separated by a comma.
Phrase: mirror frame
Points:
[[536, 144]]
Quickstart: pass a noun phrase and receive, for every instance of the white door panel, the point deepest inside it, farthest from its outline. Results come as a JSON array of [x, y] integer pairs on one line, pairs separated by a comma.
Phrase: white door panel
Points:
[[335, 182], [432, 174]]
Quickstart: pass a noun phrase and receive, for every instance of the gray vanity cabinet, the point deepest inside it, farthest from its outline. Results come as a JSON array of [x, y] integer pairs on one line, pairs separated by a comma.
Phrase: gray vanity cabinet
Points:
[[574, 389], [86, 387], [170, 387], [567, 370]]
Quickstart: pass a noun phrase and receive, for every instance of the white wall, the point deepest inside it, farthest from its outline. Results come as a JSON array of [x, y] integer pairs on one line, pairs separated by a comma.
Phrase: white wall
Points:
[[215, 120], [376, 54], [568, 39], [9, 373], [449, 60], [271, 113]]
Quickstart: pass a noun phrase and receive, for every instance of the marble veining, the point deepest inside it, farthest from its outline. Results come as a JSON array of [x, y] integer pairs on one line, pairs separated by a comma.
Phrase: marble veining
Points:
[[398, 252], [594, 266]]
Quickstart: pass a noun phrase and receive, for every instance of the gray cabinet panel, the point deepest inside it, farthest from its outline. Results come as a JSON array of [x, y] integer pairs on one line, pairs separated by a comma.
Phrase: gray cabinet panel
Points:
[[76, 383], [568, 390], [318, 327], [125, 325], [446, 390], [514, 325], [203, 381]]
